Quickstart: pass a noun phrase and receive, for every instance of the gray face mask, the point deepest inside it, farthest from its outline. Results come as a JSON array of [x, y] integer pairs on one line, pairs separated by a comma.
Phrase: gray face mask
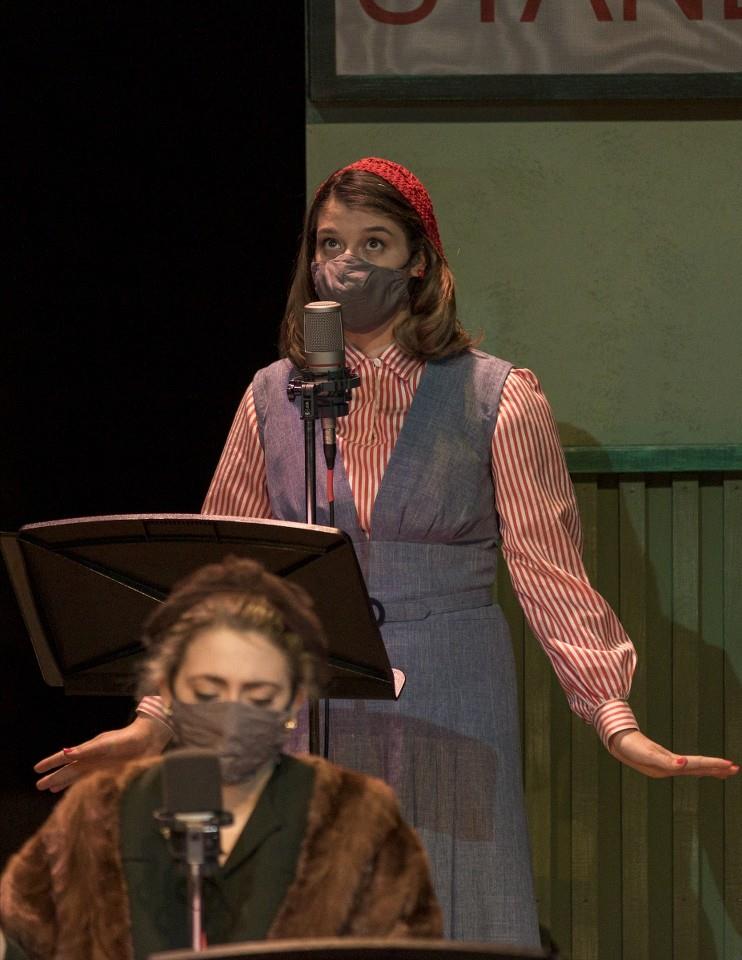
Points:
[[369, 295], [244, 735]]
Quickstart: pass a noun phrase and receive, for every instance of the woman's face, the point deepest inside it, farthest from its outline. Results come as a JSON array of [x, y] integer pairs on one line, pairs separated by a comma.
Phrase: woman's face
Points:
[[222, 664], [362, 232]]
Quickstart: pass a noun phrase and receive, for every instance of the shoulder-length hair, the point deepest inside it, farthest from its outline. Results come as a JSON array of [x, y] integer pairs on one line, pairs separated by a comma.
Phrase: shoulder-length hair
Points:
[[432, 329]]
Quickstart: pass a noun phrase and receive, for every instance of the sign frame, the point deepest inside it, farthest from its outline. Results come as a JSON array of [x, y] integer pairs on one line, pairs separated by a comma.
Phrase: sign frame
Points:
[[326, 86]]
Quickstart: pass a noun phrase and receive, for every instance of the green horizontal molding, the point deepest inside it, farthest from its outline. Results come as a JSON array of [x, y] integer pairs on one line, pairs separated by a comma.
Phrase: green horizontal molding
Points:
[[691, 458]]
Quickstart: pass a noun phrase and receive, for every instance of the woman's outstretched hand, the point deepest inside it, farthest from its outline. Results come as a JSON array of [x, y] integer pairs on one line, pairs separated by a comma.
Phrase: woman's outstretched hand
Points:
[[635, 750], [143, 736]]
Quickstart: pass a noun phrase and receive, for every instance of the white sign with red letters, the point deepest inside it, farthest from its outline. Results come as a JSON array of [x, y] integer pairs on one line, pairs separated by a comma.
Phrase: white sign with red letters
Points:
[[537, 37]]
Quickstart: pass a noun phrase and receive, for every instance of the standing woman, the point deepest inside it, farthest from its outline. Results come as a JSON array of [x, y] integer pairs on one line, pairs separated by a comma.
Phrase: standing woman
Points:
[[447, 453]]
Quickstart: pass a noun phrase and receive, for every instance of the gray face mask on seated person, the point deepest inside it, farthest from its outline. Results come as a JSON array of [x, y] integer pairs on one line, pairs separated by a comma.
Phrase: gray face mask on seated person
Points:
[[244, 735], [369, 295]]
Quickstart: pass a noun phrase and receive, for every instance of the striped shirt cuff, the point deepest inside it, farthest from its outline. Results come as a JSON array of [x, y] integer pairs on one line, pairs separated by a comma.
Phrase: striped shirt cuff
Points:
[[154, 708], [611, 717]]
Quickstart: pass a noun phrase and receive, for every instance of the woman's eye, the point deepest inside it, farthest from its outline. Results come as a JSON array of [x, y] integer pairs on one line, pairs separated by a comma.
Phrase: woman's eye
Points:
[[330, 243], [375, 244], [203, 696], [261, 701]]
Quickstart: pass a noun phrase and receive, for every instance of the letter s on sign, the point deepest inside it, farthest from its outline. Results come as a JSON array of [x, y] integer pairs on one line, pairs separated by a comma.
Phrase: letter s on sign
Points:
[[377, 12]]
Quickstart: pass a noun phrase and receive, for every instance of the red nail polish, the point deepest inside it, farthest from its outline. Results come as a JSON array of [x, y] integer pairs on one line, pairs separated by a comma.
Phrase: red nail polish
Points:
[[681, 761], [67, 750]]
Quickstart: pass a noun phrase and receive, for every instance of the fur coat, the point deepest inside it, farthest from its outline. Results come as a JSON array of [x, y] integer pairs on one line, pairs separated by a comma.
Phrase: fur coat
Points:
[[361, 871]]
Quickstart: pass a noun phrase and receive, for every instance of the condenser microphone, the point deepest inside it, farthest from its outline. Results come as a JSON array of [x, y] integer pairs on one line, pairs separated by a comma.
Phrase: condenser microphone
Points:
[[323, 390], [190, 820], [191, 783], [324, 353], [324, 346]]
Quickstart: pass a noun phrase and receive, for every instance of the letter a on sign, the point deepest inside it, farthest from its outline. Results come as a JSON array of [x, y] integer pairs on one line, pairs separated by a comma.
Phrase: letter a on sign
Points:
[[532, 7]]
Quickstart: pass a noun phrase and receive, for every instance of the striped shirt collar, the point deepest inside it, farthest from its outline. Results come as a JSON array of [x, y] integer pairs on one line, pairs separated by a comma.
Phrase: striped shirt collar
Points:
[[400, 363]]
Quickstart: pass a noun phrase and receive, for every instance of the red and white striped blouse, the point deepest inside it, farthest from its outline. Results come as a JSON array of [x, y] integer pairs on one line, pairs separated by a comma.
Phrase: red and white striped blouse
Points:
[[541, 534]]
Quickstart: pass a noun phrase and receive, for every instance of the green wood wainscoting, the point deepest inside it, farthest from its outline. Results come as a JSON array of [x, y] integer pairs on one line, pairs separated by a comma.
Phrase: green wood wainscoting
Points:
[[628, 867]]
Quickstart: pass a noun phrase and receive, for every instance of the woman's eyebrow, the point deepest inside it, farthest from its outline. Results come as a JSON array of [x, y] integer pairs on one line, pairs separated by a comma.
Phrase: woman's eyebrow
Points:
[[376, 229], [220, 681]]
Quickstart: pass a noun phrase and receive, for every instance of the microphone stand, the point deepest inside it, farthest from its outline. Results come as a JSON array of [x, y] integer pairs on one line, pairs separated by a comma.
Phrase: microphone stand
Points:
[[194, 841], [322, 396]]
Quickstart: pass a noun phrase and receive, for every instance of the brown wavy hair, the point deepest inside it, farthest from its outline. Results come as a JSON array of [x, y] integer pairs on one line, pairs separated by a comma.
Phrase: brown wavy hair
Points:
[[432, 329], [239, 594]]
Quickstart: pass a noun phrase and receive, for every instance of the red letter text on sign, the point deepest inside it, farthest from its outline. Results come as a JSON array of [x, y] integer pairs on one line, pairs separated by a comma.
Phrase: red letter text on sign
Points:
[[693, 9], [376, 12], [732, 10], [529, 11], [601, 9]]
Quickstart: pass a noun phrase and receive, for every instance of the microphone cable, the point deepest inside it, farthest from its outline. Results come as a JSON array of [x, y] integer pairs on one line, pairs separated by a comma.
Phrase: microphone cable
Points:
[[331, 494]]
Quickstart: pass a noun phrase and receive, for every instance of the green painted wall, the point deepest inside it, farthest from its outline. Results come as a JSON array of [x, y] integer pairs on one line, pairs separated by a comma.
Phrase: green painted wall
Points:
[[606, 256]]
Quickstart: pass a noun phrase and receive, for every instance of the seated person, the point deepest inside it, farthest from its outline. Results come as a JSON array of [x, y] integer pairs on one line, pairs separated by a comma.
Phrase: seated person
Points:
[[314, 850]]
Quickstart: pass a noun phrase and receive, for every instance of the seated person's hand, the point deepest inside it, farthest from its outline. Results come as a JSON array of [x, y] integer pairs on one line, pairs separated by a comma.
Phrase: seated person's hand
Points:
[[143, 736]]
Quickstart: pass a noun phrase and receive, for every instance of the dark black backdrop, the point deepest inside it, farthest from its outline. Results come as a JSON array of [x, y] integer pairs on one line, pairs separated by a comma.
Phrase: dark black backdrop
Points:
[[156, 197]]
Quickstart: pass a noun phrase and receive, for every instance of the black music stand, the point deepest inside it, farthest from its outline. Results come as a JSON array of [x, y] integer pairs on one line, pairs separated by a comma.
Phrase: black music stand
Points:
[[84, 587], [351, 948]]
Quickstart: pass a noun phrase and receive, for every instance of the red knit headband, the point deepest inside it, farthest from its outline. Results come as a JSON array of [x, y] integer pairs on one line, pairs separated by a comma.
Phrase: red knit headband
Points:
[[411, 189]]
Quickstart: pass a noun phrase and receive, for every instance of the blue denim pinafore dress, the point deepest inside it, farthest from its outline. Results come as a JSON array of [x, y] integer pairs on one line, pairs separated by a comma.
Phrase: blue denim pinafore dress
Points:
[[450, 745]]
